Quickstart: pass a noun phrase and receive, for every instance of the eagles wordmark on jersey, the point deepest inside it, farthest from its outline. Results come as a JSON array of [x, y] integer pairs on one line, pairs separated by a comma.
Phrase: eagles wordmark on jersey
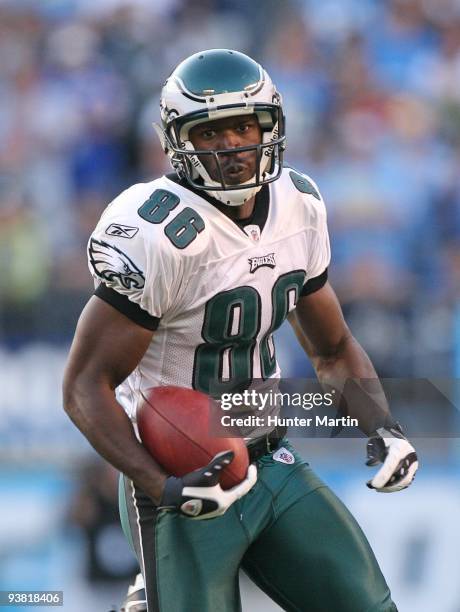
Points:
[[217, 294]]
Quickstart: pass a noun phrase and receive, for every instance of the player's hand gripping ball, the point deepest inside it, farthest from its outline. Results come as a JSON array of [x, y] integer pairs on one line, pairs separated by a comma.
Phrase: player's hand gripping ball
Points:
[[174, 426], [199, 495]]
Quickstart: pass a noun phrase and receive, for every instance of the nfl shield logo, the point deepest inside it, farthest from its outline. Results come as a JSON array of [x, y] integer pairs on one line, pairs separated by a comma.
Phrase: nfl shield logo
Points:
[[253, 231], [284, 456]]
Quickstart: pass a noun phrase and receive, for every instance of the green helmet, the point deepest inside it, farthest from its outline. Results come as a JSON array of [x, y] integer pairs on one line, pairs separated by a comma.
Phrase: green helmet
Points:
[[216, 84]]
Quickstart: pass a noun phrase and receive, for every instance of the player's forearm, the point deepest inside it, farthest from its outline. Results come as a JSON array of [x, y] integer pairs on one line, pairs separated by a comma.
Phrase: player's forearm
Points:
[[350, 371], [102, 420]]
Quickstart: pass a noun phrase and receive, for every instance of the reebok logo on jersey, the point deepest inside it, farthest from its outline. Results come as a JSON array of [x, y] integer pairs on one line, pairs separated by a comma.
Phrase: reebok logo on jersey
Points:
[[258, 262], [123, 231], [282, 455]]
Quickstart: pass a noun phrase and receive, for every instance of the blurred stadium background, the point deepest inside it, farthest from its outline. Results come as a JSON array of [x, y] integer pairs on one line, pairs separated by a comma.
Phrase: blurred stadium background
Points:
[[372, 97]]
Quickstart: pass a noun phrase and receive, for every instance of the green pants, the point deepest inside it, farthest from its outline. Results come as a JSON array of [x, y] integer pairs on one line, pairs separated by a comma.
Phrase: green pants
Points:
[[291, 535]]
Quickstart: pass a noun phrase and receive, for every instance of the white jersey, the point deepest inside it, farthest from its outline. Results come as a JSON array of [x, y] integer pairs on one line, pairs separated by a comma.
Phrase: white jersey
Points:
[[218, 290]]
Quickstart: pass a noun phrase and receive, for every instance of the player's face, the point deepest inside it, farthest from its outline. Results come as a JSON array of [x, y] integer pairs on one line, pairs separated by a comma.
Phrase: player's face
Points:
[[228, 133]]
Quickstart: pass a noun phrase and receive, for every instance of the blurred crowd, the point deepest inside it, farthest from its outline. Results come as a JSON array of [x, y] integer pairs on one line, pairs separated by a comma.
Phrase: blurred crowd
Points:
[[372, 98]]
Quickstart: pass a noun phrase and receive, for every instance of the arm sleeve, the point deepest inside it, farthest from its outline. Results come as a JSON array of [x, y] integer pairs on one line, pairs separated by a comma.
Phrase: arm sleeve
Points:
[[123, 304], [314, 284], [319, 250], [141, 269]]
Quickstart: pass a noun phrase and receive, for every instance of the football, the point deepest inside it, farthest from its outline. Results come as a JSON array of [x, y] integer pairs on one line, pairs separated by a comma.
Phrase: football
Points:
[[174, 426]]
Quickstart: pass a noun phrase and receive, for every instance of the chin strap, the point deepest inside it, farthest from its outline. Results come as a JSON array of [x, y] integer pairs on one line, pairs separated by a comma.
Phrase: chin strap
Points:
[[235, 197]]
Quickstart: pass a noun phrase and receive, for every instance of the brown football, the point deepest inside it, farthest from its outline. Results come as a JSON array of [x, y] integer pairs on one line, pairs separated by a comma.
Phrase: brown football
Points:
[[174, 426]]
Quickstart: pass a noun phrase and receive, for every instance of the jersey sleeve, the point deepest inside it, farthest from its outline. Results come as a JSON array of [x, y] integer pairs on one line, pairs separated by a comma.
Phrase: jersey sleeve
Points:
[[319, 255], [313, 217], [314, 284], [133, 262], [319, 250]]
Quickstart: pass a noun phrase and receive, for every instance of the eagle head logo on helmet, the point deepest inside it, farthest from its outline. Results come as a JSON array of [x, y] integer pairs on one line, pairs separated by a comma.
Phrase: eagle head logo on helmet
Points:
[[212, 85]]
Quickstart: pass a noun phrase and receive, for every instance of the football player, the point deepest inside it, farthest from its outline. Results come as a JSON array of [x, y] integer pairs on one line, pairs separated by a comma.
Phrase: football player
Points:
[[195, 271]]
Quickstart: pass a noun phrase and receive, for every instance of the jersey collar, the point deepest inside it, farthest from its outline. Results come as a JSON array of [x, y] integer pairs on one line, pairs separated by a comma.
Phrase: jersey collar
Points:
[[258, 216]]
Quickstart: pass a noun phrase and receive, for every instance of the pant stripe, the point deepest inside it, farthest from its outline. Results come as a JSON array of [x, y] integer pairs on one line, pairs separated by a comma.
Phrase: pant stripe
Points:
[[146, 520], [138, 521], [132, 519]]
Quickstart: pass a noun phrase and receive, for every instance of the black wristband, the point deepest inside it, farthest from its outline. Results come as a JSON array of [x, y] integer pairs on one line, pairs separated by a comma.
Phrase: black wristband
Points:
[[172, 492], [396, 429], [393, 427]]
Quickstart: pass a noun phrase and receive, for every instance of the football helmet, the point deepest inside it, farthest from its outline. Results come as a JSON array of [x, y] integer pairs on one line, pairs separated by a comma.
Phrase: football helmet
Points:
[[216, 84]]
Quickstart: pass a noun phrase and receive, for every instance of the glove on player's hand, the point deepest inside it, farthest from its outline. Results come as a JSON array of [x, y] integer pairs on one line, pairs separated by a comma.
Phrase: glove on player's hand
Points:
[[199, 494], [389, 446]]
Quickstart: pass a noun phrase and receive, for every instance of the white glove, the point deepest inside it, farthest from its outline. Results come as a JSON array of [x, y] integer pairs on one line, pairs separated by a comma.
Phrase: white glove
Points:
[[389, 446], [199, 494]]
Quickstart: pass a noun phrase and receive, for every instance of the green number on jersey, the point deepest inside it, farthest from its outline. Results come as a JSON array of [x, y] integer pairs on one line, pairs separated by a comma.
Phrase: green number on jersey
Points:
[[230, 327], [183, 229], [301, 183], [285, 292], [158, 206], [224, 362]]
